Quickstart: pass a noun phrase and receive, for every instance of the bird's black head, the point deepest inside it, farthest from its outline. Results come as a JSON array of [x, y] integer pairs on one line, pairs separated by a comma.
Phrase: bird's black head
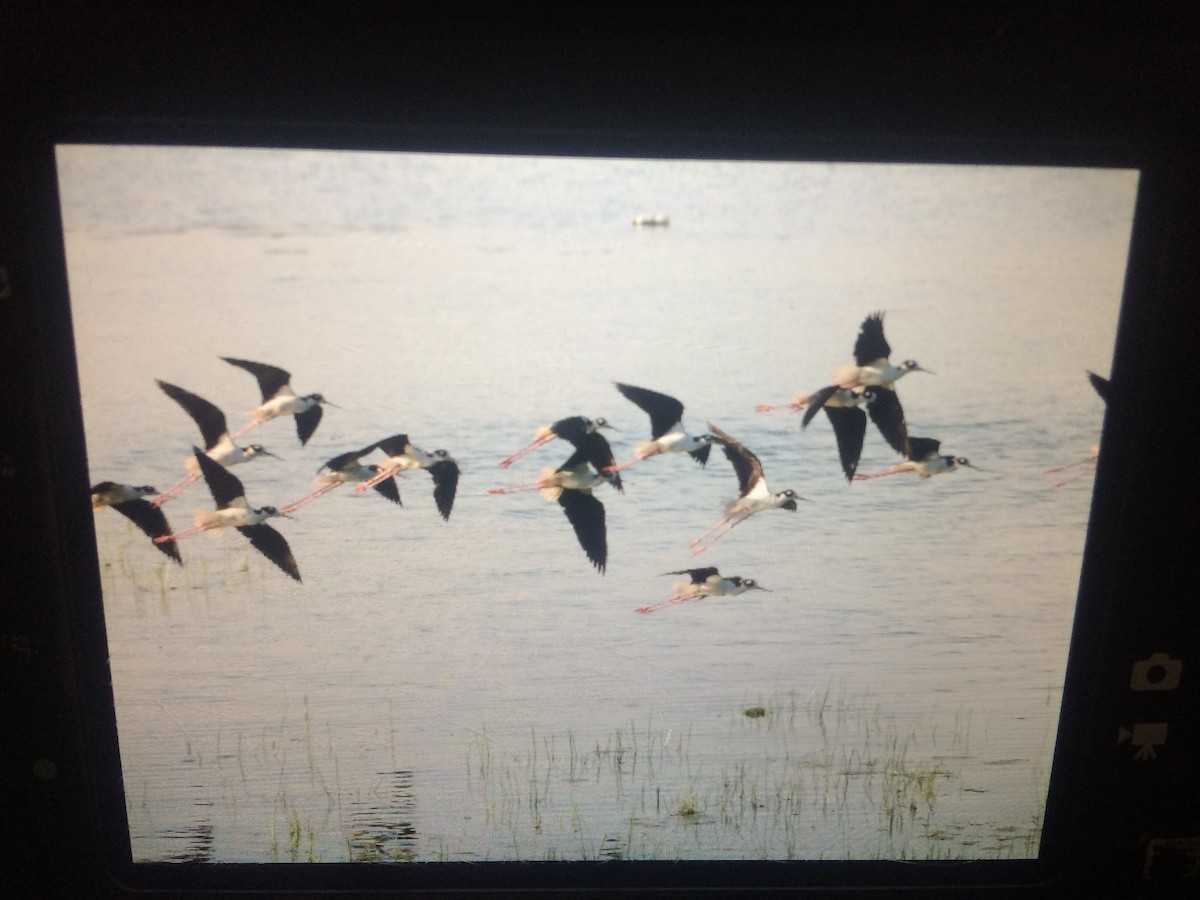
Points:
[[272, 511], [751, 583], [597, 424], [258, 450], [145, 490]]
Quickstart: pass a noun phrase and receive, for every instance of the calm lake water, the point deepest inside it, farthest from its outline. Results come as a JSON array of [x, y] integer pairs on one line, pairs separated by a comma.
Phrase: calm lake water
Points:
[[473, 689]]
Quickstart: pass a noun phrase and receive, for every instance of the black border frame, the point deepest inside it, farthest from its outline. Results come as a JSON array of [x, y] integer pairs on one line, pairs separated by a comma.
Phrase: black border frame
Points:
[[1102, 811]]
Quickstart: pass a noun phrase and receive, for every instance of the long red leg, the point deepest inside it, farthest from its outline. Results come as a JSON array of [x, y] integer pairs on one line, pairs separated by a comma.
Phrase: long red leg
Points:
[[304, 501], [678, 598], [254, 423], [175, 490], [529, 448], [376, 478]]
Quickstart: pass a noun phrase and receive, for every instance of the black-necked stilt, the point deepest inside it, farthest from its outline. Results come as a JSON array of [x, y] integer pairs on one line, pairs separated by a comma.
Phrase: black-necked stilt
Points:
[[590, 449], [218, 444], [233, 511], [571, 486], [130, 501], [280, 400], [924, 460], [707, 582], [403, 455], [666, 427], [843, 408], [346, 469], [755, 496], [1103, 387], [572, 429], [871, 365]]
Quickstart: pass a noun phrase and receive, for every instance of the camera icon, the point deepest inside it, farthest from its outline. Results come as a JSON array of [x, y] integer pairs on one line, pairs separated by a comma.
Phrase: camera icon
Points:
[[1157, 672]]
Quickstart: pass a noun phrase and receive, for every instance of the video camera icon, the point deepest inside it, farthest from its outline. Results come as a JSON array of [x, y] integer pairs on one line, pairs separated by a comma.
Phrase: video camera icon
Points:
[[1157, 672]]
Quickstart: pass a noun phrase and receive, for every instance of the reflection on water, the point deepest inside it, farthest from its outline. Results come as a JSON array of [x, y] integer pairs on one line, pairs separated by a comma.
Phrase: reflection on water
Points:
[[473, 689], [381, 829], [193, 844]]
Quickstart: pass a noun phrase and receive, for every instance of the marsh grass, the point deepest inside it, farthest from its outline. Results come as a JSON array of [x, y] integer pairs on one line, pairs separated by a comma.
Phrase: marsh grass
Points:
[[824, 775], [819, 775]]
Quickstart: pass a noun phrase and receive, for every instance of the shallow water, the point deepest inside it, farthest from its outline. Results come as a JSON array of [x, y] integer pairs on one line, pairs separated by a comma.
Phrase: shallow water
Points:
[[473, 689]]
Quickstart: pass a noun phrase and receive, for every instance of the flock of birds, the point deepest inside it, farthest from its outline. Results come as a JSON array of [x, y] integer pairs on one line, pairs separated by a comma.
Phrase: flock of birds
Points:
[[863, 389]]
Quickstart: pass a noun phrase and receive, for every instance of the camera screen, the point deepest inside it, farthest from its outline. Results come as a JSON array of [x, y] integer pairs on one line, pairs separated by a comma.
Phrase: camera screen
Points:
[[588, 508]]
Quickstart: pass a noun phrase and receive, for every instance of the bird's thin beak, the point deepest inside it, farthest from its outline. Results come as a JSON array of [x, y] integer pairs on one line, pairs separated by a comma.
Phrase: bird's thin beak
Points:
[[759, 587], [269, 453], [330, 403], [926, 371]]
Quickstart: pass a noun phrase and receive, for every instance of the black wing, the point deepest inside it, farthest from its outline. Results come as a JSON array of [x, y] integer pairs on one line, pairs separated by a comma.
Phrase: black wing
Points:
[[271, 544], [745, 463], [445, 485], [586, 515], [396, 445], [210, 420], [594, 449], [698, 576], [816, 401], [307, 421], [388, 488], [922, 448], [152, 522], [871, 344], [222, 484], [665, 412], [850, 429], [344, 459], [270, 378], [888, 415], [572, 429], [701, 455], [1102, 385]]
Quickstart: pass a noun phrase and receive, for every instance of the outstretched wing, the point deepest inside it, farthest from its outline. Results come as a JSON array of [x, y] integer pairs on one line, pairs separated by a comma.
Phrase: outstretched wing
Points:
[[850, 429], [271, 544], [271, 379], [445, 485], [586, 515], [817, 401], [224, 486], [209, 419], [745, 463], [1102, 385], [870, 344], [665, 412], [151, 521], [307, 422], [888, 416]]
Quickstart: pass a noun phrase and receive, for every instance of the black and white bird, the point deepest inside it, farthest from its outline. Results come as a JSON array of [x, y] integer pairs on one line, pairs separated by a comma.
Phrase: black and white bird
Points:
[[583, 509], [925, 461], [844, 409], [572, 429], [345, 468], [218, 444], [130, 501], [278, 398], [1103, 388], [403, 455], [706, 582], [591, 449], [667, 434], [755, 496], [872, 365], [234, 511]]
